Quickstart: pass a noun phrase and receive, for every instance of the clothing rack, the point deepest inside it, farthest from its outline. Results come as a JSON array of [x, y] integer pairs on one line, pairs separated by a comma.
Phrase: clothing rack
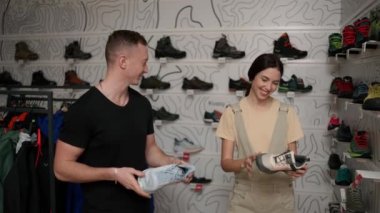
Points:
[[49, 111]]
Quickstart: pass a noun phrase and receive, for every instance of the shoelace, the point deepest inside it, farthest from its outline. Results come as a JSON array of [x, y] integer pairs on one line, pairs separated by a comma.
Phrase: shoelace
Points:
[[349, 35]]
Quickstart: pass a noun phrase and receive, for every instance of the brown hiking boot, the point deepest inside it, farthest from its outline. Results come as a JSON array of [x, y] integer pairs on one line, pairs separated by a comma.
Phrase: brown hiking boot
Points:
[[72, 79], [24, 53]]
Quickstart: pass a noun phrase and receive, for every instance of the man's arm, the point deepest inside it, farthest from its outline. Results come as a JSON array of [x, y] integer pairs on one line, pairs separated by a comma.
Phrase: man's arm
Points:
[[66, 168], [155, 156]]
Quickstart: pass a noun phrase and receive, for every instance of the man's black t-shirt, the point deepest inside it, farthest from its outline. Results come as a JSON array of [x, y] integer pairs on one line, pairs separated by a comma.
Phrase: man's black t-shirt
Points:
[[112, 136]]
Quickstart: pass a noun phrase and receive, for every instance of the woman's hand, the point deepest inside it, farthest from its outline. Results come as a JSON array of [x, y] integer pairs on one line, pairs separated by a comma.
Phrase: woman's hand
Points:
[[298, 173], [247, 163]]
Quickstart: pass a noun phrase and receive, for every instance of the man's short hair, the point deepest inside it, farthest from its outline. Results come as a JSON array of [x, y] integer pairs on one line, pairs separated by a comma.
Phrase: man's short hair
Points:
[[122, 39]]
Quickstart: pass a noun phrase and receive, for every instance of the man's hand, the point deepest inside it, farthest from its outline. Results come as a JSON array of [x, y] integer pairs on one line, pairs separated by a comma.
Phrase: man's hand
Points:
[[126, 177]]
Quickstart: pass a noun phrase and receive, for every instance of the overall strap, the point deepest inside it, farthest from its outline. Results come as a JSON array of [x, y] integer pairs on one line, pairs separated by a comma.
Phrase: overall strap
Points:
[[280, 131], [242, 137]]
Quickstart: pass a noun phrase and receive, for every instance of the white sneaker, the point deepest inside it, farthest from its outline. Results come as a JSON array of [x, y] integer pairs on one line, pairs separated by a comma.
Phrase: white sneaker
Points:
[[271, 163], [186, 146], [158, 177]]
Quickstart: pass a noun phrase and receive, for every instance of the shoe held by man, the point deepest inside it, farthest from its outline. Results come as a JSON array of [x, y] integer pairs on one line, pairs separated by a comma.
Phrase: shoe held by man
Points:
[[165, 49], [223, 49], [186, 146], [284, 49], [287, 161], [155, 178]]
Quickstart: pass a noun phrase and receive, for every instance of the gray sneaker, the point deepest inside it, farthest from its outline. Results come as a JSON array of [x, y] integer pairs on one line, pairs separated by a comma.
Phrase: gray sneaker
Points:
[[271, 163], [186, 146], [158, 177]]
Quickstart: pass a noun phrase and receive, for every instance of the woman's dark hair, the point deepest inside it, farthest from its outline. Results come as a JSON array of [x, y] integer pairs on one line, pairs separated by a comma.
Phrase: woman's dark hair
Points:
[[262, 62]]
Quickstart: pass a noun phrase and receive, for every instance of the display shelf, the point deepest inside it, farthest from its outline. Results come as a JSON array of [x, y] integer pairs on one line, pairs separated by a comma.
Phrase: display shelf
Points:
[[368, 174], [359, 163], [369, 49]]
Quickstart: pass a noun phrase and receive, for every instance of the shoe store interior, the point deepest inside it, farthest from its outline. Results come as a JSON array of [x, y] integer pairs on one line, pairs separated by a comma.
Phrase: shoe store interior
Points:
[[52, 52]]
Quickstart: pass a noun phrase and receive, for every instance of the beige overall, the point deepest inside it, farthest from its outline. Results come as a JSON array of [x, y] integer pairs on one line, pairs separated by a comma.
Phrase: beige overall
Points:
[[262, 192]]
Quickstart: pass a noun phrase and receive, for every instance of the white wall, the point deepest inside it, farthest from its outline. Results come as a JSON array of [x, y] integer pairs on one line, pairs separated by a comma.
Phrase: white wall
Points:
[[194, 26]]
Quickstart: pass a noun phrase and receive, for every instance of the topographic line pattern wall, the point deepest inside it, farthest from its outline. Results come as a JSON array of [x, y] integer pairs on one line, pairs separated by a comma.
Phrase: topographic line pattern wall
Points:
[[194, 26]]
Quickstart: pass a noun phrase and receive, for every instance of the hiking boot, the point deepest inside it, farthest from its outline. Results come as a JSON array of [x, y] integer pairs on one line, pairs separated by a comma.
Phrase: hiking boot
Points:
[[271, 163], [335, 44], [158, 177], [165, 49], [24, 53], [38, 79], [7, 80], [344, 133], [283, 48], [152, 82], [359, 146], [372, 101], [343, 176], [294, 84], [333, 123], [362, 31], [349, 37], [186, 146], [73, 51], [240, 84], [212, 117], [374, 31], [360, 92], [196, 83], [334, 161], [72, 79], [335, 83], [223, 49], [164, 115], [346, 87]]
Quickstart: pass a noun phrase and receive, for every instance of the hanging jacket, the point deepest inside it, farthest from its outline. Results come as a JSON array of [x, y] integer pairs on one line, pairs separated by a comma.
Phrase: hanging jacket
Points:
[[21, 190], [8, 143]]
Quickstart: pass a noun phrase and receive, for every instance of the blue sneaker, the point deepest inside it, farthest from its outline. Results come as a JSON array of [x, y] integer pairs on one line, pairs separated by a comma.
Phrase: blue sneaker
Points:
[[155, 178], [360, 93]]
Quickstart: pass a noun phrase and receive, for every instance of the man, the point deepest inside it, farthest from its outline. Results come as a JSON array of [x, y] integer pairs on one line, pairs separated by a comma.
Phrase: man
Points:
[[107, 137]]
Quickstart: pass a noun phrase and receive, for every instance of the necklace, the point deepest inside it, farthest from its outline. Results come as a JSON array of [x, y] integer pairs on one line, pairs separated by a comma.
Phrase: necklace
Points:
[[109, 98]]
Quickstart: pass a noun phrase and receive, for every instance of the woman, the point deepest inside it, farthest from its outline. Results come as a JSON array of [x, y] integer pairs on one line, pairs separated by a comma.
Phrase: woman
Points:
[[255, 191]]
